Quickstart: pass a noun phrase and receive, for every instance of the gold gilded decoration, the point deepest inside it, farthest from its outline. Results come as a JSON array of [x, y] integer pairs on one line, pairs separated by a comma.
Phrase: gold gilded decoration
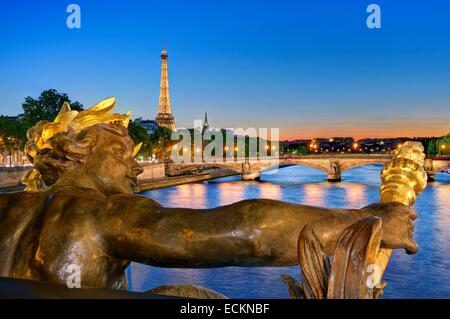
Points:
[[404, 177], [33, 181], [357, 246], [136, 149], [68, 120], [77, 121], [402, 180]]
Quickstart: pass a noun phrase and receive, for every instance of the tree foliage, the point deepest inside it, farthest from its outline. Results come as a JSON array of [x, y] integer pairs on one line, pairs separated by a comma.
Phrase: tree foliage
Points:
[[139, 134], [296, 149], [161, 142], [301, 150], [443, 145], [432, 147], [13, 135], [158, 143], [46, 106]]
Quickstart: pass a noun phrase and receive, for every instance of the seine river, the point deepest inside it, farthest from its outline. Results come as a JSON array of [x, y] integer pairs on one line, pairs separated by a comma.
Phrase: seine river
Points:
[[424, 275]]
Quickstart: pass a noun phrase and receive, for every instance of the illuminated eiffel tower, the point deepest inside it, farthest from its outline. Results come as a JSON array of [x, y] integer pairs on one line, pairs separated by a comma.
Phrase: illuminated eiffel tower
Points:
[[164, 116]]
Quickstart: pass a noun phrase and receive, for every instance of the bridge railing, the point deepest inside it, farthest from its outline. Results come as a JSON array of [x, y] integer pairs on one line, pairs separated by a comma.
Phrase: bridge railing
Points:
[[440, 157], [316, 156], [287, 157], [371, 156]]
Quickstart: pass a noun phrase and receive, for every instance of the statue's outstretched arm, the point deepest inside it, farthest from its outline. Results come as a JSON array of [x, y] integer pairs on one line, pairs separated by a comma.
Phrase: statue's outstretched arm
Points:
[[247, 233]]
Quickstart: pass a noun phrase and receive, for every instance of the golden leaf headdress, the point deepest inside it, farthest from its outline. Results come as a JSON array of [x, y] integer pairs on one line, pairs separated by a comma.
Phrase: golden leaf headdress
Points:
[[77, 121], [67, 119]]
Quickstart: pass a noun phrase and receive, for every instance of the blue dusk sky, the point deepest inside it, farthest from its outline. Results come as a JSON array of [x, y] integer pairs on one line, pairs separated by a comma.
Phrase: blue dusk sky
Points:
[[310, 68]]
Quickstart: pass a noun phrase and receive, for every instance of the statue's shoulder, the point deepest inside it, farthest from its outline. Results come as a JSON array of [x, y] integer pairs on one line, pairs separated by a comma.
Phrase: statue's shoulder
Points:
[[20, 204], [5, 199], [9, 199], [132, 201], [76, 195]]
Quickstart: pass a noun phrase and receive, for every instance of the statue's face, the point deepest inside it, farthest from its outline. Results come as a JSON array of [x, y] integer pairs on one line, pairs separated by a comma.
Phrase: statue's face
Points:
[[112, 165]]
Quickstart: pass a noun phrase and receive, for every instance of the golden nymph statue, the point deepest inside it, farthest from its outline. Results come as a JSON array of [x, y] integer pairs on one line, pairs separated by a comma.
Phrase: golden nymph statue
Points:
[[79, 208]]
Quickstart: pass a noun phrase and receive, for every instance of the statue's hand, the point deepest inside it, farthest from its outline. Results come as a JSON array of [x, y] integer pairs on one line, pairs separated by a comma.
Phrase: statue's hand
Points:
[[398, 225]]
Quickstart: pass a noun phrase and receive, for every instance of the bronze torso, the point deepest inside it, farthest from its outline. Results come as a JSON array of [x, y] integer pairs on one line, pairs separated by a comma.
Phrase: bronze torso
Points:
[[42, 238]]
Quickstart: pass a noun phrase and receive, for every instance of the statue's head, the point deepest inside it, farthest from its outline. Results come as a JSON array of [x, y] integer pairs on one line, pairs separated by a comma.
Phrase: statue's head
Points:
[[92, 145]]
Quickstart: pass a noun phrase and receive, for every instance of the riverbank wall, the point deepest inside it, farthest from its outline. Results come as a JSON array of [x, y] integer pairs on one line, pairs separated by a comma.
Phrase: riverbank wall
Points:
[[152, 177]]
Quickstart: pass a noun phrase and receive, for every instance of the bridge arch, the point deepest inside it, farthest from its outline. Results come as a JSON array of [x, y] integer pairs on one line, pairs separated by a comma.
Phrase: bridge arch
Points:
[[331, 164], [334, 166]]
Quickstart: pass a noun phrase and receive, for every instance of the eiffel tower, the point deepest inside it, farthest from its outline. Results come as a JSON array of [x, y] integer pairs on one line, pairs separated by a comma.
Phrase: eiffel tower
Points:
[[164, 116]]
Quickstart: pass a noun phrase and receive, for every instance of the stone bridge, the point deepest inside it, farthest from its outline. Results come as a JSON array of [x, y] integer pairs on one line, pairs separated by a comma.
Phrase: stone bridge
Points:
[[435, 164], [331, 164]]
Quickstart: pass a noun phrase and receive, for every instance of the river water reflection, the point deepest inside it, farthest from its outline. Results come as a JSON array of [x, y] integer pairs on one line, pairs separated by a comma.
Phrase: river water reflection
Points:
[[424, 275]]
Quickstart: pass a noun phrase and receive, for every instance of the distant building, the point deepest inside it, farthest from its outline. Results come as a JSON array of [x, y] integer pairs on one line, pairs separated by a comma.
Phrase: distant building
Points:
[[149, 125], [17, 117]]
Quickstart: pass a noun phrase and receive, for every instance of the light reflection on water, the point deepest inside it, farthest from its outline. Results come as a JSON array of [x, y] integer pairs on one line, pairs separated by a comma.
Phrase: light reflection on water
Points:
[[424, 275]]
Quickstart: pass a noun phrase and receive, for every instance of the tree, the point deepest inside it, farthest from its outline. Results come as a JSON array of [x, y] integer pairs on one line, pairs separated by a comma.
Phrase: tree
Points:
[[281, 149], [13, 135], [301, 150], [139, 134], [161, 142], [432, 147], [46, 107], [443, 145]]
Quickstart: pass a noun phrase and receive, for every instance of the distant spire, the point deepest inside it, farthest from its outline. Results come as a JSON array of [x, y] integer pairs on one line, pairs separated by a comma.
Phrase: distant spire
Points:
[[205, 122], [164, 54]]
